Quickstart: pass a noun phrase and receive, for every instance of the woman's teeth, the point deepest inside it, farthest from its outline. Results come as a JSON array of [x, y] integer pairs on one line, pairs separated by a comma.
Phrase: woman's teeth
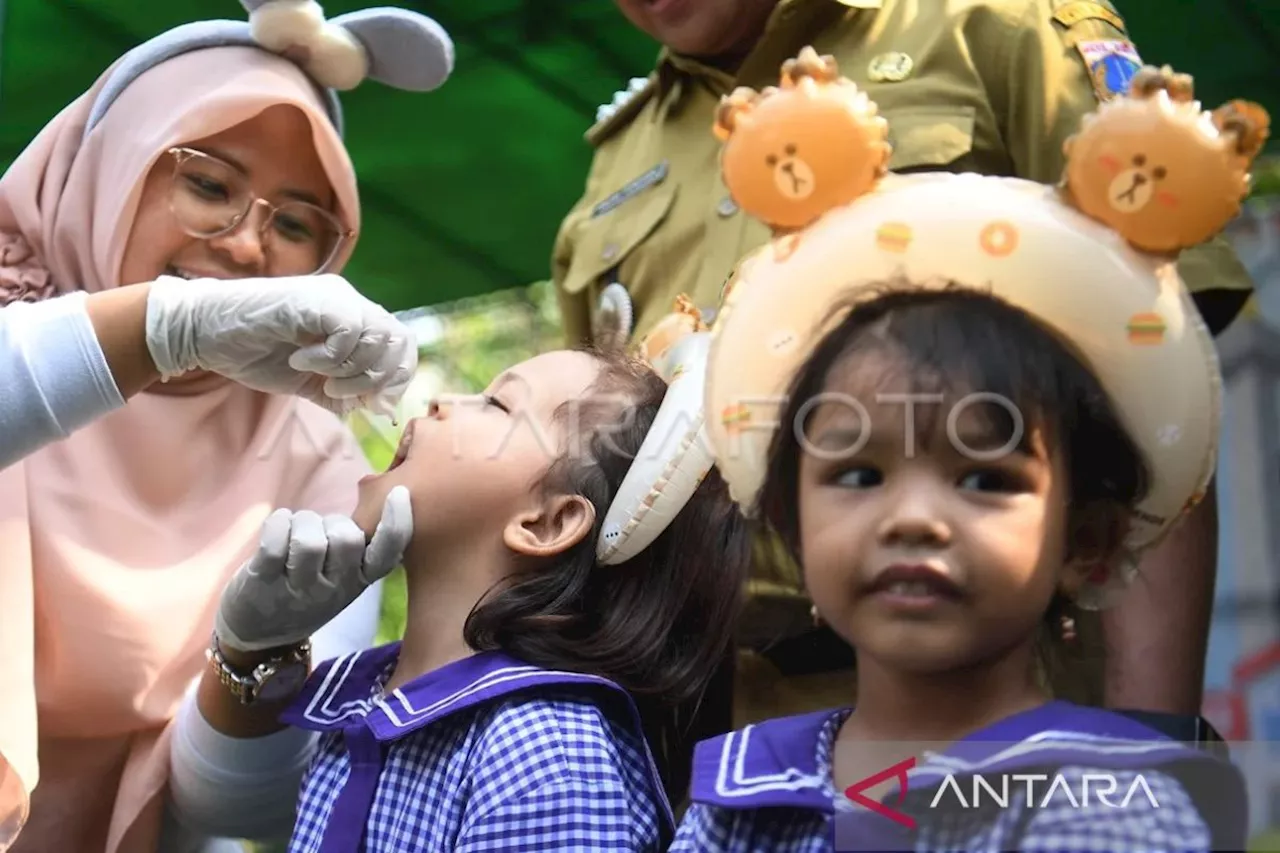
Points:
[[174, 271]]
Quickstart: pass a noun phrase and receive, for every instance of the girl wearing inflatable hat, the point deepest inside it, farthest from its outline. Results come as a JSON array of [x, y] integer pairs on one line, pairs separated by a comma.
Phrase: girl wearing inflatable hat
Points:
[[213, 151], [967, 404]]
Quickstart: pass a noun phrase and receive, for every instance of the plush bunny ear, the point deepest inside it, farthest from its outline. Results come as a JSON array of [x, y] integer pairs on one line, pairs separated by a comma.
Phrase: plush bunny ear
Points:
[[406, 50], [396, 47]]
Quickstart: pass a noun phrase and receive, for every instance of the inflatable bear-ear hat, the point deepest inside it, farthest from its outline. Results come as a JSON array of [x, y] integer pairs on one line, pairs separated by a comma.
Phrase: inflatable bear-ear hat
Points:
[[396, 47], [1093, 260]]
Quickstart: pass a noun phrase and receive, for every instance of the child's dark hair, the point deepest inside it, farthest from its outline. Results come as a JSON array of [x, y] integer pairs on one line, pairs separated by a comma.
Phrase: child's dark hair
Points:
[[957, 340], [659, 624]]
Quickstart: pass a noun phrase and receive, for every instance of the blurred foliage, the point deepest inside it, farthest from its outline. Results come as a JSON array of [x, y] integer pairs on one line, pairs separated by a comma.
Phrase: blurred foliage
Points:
[[482, 336], [1265, 842], [1266, 178]]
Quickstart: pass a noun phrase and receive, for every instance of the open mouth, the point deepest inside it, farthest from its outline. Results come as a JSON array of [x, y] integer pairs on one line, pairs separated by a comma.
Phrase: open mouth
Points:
[[402, 451], [191, 275], [177, 273]]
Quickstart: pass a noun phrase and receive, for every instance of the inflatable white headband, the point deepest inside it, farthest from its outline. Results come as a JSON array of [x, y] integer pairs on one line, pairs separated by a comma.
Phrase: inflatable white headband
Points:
[[676, 454], [396, 47]]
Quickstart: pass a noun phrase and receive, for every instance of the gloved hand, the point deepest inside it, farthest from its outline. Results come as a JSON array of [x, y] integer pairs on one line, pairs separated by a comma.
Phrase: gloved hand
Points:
[[313, 336], [307, 570]]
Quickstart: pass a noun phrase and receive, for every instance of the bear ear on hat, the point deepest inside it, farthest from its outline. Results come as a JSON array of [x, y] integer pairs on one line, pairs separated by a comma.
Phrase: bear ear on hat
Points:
[[795, 151], [1157, 169]]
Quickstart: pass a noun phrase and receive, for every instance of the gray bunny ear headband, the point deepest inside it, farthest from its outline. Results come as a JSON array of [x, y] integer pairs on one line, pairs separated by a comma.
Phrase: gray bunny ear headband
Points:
[[396, 47]]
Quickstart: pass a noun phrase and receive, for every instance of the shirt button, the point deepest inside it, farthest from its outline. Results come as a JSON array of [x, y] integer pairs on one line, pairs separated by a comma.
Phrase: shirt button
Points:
[[610, 252], [727, 206]]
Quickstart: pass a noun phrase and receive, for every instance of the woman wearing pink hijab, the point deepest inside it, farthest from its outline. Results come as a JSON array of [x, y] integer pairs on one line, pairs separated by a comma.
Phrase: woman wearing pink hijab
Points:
[[201, 154]]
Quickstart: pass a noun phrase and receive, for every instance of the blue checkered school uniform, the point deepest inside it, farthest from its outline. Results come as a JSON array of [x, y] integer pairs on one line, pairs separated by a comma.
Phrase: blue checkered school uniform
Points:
[[487, 753], [769, 788]]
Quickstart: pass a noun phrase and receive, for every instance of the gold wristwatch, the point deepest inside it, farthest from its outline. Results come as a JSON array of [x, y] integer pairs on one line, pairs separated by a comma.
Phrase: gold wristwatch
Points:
[[272, 680]]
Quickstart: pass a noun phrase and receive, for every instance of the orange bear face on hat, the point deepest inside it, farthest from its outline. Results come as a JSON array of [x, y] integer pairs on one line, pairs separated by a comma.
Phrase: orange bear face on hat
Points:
[[1159, 170], [793, 152]]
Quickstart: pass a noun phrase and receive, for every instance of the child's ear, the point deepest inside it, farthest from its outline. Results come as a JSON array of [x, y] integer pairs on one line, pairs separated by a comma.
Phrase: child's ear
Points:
[[1096, 538], [551, 528]]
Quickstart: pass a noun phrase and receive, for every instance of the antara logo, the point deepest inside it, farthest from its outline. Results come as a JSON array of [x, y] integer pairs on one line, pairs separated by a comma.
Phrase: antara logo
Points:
[[898, 771], [1034, 790]]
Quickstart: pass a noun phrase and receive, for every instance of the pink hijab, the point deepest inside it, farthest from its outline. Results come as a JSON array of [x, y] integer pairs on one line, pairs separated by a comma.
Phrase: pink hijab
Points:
[[115, 543]]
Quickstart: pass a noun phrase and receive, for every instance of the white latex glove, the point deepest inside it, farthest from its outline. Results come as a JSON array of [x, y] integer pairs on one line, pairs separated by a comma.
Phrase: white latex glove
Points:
[[306, 571], [313, 336]]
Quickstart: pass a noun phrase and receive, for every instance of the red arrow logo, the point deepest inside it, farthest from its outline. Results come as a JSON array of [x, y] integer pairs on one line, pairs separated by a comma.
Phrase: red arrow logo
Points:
[[898, 771]]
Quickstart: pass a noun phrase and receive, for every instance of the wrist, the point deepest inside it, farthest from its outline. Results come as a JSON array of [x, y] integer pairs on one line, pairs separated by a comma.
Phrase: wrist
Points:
[[170, 332], [268, 675], [242, 658], [119, 320]]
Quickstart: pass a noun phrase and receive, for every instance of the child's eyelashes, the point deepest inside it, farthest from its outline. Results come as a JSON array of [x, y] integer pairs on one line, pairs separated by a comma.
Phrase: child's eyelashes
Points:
[[496, 403], [861, 477], [992, 480]]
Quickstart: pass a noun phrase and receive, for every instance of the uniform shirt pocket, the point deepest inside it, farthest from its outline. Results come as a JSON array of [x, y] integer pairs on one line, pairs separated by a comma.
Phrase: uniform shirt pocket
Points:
[[606, 240], [929, 138]]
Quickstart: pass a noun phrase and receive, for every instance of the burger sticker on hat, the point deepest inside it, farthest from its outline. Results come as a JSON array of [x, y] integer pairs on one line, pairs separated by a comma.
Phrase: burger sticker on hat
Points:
[[1093, 259], [894, 237]]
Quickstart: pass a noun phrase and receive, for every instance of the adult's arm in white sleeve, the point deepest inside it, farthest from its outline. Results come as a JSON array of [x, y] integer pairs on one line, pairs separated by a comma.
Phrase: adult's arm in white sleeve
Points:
[[67, 361], [54, 377]]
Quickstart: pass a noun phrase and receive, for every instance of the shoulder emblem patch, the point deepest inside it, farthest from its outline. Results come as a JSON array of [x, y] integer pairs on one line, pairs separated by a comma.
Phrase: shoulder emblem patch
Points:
[[1112, 64]]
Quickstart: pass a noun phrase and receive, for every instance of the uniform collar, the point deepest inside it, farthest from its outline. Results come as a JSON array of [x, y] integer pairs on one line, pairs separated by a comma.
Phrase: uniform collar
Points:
[[783, 762], [774, 763], [344, 691]]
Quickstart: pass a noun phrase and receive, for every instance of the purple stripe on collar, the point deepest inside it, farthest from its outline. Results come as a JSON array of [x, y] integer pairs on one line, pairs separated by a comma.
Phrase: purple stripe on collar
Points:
[[339, 689], [1057, 733], [463, 684], [343, 689], [774, 763]]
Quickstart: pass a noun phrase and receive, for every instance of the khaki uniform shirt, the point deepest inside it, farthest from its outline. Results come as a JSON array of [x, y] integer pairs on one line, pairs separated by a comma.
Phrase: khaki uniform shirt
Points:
[[988, 86]]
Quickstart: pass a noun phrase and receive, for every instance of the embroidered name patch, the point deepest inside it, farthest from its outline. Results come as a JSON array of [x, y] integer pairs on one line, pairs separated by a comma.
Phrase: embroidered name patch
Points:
[[1112, 64], [656, 175]]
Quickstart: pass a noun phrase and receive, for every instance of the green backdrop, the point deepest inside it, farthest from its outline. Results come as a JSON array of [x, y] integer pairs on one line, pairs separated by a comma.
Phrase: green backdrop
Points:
[[463, 188]]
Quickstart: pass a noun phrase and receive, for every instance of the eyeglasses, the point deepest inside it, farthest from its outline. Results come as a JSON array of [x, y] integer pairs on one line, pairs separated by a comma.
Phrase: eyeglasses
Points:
[[209, 197]]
